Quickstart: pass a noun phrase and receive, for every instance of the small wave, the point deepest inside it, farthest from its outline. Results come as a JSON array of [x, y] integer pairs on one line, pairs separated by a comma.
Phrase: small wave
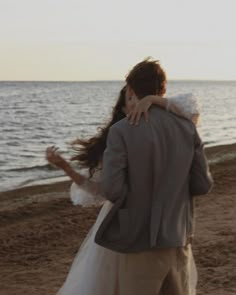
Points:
[[36, 179], [222, 158], [43, 180], [14, 143], [45, 167], [24, 183], [8, 129], [40, 128], [210, 142], [87, 124], [20, 112]]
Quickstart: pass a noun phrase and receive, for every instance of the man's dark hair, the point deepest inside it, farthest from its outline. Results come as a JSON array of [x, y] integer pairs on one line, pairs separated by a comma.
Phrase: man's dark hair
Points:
[[147, 78]]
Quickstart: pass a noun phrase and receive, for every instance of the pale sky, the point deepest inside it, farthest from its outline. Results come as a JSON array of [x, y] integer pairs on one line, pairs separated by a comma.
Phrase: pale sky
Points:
[[102, 39]]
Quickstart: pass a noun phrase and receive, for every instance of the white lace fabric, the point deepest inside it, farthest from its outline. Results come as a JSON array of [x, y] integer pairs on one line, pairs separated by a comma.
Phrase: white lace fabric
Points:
[[186, 102], [89, 193]]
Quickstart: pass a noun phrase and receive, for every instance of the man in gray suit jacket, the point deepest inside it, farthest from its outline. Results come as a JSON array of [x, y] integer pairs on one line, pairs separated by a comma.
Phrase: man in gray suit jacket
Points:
[[151, 172]]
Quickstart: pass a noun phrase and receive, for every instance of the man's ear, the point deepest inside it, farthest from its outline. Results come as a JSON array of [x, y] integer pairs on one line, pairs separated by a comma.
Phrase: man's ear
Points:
[[161, 93]]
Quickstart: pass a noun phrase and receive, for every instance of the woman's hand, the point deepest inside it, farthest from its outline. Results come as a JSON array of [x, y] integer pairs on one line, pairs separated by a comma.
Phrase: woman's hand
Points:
[[140, 108], [54, 158], [143, 106]]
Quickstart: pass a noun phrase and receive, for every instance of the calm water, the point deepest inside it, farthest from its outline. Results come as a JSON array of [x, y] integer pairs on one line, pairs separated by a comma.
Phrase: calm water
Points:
[[35, 115]]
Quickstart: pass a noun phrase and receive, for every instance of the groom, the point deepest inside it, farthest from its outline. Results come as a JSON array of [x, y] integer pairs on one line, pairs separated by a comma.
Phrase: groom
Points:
[[151, 172]]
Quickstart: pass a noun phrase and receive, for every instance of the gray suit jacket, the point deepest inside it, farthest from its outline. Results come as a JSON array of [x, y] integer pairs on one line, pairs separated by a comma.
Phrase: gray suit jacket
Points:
[[151, 172]]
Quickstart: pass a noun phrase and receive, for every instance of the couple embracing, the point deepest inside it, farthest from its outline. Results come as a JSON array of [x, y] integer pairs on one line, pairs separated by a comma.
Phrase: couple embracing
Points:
[[149, 175]]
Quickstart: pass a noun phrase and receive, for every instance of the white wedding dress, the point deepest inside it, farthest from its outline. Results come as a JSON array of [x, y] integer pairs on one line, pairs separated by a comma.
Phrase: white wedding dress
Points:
[[94, 270]]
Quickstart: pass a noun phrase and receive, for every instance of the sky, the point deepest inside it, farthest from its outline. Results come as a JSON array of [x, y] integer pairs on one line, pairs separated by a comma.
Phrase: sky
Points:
[[75, 40]]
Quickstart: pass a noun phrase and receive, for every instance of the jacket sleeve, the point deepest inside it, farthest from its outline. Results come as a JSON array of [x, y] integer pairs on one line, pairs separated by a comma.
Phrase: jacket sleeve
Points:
[[114, 167], [200, 178]]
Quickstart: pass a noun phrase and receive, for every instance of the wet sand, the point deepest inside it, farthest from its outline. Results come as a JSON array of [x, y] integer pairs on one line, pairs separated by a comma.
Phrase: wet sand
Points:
[[41, 231]]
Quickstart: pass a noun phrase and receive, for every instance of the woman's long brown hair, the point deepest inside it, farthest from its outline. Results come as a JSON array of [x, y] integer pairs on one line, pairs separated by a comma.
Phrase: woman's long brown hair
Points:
[[89, 152]]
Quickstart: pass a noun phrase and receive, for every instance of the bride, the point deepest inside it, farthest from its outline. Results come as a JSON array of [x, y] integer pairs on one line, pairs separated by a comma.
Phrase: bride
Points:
[[95, 269]]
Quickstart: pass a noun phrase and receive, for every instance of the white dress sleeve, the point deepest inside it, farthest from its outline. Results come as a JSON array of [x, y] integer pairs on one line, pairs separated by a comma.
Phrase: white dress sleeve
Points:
[[187, 103], [87, 194]]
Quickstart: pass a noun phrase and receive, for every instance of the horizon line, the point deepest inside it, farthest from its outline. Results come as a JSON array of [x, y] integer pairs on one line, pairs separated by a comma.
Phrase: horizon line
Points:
[[102, 80]]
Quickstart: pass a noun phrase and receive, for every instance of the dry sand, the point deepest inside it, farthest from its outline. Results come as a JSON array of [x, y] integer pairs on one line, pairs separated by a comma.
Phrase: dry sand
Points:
[[41, 231]]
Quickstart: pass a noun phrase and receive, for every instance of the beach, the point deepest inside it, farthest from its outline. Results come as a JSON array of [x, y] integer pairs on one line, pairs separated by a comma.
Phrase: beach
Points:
[[41, 231]]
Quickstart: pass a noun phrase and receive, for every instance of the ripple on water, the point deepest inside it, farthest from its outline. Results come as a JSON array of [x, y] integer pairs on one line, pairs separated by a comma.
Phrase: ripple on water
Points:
[[36, 115]]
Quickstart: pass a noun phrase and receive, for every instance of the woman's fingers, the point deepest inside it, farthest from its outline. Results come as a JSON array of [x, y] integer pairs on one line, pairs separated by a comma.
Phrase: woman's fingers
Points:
[[138, 116], [134, 116], [130, 117], [50, 149], [48, 152], [51, 154], [146, 115]]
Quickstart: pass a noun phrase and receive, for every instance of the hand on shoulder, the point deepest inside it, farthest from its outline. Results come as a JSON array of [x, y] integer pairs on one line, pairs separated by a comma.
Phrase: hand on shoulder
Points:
[[142, 108]]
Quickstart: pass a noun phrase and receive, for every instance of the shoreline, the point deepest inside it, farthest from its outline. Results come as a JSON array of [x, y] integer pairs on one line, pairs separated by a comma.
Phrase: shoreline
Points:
[[215, 154], [41, 232]]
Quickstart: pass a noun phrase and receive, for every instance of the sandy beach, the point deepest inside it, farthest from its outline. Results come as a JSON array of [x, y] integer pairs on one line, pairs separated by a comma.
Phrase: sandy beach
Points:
[[41, 231]]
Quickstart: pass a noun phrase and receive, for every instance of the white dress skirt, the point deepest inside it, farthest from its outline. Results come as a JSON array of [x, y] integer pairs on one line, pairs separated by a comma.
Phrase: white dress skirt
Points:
[[94, 270]]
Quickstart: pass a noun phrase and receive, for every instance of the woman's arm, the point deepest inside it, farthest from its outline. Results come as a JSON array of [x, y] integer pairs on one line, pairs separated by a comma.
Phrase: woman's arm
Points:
[[144, 104], [56, 159]]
